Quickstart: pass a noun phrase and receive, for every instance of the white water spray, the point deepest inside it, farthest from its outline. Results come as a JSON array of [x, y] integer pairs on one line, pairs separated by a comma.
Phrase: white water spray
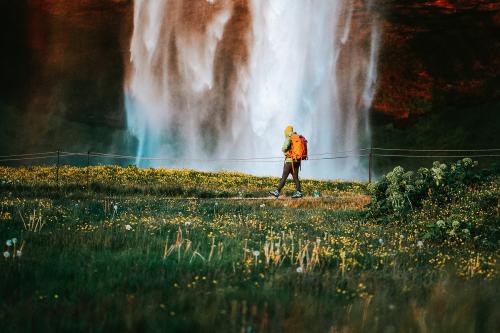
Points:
[[216, 80]]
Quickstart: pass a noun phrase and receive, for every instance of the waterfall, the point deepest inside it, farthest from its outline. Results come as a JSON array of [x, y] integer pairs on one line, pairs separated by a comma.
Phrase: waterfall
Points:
[[211, 81]]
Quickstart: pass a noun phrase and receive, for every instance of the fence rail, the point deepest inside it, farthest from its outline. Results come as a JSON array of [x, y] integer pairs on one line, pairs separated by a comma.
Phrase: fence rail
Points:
[[370, 153]]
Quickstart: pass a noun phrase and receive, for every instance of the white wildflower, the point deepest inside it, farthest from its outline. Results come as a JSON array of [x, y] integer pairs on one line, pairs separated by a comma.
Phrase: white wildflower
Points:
[[440, 223], [299, 269], [115, 207], [14, 240], [263, 205], [381, 241], [6, 254], [420, 244], [19, 253], [128, 227], [9, 242], [187, 224], [256, 253], [455, 224]]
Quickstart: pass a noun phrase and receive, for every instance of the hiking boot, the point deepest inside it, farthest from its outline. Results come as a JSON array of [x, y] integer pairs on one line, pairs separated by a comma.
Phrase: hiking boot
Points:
[[297, 195], [275, 193]]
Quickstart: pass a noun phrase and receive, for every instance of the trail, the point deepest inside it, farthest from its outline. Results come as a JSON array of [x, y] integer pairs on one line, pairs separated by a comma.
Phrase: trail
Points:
[[344, 201]]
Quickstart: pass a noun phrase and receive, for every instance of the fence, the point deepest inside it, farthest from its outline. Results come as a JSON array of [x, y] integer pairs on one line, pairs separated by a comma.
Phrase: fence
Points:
[[369, 153]]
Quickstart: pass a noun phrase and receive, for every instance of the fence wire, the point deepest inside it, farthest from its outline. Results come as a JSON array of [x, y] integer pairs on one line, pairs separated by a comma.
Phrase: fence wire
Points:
[[357, 153]]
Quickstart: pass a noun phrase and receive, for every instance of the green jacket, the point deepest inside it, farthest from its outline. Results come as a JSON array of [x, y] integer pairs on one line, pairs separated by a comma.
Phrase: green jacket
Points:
[[287, 145]]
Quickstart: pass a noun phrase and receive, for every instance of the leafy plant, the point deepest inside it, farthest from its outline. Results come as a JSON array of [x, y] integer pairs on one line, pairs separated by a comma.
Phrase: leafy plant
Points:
[[455, 202]]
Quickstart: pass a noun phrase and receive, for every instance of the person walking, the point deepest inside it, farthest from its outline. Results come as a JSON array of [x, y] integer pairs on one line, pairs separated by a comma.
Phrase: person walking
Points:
[[295, 150]]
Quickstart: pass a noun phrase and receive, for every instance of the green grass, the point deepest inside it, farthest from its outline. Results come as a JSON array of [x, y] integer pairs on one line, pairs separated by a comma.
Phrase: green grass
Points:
[[188, 264], [115, 180]]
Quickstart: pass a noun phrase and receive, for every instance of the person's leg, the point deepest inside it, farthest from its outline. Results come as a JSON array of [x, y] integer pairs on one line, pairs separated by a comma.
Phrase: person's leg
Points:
[[295, 174], [287, 168]]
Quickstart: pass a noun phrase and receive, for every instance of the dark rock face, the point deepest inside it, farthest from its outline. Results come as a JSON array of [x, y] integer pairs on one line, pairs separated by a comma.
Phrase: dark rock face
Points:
[[436, 54], [62, 67], [77, 50], [62, 73]]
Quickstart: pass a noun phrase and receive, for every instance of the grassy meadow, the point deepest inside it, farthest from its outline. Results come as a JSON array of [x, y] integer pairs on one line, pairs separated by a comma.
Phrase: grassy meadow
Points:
[[130, 250]]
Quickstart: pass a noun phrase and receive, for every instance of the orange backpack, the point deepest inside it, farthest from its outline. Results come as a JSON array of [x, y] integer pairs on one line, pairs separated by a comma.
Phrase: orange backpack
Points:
[[298, 151]]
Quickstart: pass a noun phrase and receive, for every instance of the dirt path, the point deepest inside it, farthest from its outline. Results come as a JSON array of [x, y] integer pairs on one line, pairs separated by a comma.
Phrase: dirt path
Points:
[[340, 202]]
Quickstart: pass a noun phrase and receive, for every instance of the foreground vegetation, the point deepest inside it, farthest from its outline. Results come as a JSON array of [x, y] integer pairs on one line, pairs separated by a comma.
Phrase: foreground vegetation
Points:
[[128, 253]]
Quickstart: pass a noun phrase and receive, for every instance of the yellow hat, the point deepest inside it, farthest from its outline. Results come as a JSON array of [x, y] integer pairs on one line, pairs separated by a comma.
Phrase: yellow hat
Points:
[[288, 130]]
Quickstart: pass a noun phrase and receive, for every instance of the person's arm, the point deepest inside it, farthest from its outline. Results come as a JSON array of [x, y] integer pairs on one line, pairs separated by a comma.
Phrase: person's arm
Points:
[[286, 145]]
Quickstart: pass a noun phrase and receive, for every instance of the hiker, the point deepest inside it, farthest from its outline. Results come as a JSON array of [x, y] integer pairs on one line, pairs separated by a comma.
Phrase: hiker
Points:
[[295, 150]]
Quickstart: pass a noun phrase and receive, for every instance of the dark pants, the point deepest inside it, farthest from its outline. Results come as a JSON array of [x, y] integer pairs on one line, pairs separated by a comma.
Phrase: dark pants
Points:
[[287, 169]]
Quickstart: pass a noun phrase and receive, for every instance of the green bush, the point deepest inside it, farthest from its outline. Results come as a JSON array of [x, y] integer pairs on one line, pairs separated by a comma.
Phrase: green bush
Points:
[[455, 202], [400, 192]]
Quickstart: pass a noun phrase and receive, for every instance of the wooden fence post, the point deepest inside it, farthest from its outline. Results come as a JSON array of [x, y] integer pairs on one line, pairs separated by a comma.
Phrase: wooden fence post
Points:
[[370, 165], [57, 168], [88, 170]]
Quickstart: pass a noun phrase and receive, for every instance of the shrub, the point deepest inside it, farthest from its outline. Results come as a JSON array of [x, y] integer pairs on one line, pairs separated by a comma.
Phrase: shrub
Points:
[[455, 202], [400, 192]]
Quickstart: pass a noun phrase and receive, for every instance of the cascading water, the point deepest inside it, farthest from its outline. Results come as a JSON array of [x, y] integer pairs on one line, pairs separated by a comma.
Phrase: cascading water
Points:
[[211, 81]]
